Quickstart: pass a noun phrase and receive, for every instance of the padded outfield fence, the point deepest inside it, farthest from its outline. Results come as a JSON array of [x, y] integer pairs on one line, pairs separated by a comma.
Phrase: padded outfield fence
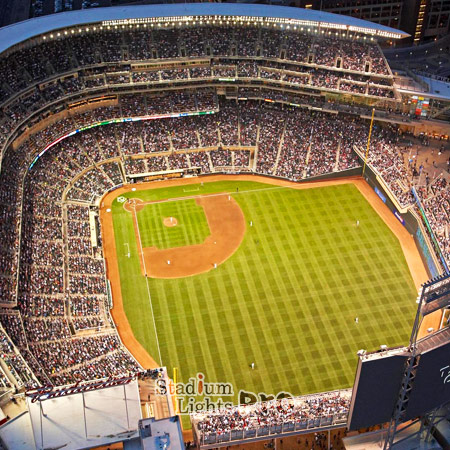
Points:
[[431, 254], [430, 231]]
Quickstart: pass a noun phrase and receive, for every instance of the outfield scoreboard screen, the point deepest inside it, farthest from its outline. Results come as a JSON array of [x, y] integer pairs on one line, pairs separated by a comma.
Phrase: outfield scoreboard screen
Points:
[[375, 392], [431, 386]]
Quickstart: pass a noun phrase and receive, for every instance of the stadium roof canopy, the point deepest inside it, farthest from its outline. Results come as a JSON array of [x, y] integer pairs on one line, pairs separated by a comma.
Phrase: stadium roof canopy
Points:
[[189, 12], [86, 419]]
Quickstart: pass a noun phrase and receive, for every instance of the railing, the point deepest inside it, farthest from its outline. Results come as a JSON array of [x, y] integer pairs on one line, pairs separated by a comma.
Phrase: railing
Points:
[[253, 430], [402, 208], [121, 88], [278, 430], [432, 76], [437, 247]]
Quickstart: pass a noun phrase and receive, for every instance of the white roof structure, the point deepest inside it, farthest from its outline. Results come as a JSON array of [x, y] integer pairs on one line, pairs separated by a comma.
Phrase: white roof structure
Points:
[[431, 88], [17, 433], [19, 32], [437, 87], [85, 420]]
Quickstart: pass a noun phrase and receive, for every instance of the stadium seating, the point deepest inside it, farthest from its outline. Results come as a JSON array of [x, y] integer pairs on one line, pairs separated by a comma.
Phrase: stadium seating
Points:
[[49, 265], [271, 417], [51, 268], [39, 76]]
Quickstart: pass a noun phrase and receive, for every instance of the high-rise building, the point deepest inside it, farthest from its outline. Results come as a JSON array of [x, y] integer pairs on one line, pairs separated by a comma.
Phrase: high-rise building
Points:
[[424, 20], [385, 12]]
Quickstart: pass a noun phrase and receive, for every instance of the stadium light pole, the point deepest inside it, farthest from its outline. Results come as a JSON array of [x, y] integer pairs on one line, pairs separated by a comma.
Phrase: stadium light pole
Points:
[[368, 141]]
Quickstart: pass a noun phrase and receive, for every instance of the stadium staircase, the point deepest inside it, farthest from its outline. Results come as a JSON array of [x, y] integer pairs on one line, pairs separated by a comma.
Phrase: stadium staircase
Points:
[[338, 153], [308, 154], [188, 160], [211, 165], [239, 128], [255, 154], [171, 147], [280, 147], [198, 138]]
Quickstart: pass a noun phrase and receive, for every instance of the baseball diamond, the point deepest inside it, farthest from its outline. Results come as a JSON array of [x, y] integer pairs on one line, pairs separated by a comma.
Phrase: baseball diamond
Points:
[[285, 298], [217, 222]]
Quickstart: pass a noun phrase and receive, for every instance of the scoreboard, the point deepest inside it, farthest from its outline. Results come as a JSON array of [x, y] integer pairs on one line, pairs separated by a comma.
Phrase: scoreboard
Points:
[[379, 376], [377, 383], [431, 386]]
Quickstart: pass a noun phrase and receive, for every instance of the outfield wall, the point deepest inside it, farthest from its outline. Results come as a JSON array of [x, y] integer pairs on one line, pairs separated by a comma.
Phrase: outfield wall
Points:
[[408, 219], [328, 176], [411, 222]]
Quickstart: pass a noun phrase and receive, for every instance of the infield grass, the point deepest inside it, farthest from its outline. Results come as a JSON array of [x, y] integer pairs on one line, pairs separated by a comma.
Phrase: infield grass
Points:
[[192, 226], [286, 300]]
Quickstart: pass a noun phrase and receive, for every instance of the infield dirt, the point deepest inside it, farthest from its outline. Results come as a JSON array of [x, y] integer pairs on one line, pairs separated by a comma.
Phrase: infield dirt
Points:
[[226, 223]]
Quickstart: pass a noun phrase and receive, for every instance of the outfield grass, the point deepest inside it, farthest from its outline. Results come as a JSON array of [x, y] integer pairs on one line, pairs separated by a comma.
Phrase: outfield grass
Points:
[[286, 300]]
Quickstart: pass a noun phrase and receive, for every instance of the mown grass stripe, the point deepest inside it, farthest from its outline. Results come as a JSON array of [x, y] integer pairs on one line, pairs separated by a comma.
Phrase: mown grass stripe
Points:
[[287, 297]]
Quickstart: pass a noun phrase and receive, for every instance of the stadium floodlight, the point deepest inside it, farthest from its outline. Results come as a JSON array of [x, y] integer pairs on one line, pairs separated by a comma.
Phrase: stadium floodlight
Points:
[[361, 352]]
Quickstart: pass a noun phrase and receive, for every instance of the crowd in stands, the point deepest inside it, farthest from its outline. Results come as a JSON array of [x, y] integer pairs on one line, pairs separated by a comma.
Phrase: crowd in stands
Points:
[[41, 75], [436, 203], [15, 365], [53, 268], [272, 414], [61, 290], [386, 158]]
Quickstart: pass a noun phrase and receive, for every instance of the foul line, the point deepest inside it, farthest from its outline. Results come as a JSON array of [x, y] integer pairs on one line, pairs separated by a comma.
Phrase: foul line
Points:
[[176, 200], [146, 280], [218, 194]]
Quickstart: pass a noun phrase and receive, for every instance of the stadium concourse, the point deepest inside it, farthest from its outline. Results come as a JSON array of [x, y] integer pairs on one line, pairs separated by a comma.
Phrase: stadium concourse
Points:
[[68, 92]]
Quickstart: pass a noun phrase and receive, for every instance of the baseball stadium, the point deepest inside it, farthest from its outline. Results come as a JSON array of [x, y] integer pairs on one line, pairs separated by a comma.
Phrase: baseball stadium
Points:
[[222, 225]]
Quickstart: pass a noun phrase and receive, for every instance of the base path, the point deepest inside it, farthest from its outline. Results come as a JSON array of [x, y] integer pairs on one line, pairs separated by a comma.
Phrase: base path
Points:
[[412, 255], [227, 226]]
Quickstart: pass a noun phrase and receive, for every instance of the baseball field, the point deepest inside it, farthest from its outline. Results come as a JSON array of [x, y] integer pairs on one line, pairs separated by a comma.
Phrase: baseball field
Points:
[[295, 281]]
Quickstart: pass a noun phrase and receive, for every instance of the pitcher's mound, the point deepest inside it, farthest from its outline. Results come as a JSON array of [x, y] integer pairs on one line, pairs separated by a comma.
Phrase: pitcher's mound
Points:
[[170, 222]]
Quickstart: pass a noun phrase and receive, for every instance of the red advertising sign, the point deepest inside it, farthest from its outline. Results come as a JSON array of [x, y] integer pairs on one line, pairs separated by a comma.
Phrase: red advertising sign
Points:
[[48, 392]]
